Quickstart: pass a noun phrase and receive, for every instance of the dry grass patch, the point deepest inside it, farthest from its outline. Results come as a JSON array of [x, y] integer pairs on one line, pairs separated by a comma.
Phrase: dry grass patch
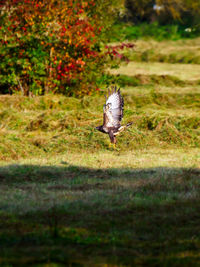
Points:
[[188, 72], [160, 119], [182, 51]]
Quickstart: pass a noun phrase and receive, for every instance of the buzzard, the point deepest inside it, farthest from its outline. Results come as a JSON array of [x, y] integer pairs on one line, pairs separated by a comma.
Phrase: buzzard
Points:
[[112, 115]]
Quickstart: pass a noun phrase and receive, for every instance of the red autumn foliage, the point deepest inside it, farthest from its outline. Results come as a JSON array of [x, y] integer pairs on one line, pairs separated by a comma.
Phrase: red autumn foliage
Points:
[[51, 46]]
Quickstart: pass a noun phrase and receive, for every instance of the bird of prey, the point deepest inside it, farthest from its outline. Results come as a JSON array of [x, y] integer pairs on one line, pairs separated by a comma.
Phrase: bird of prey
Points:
[[112, 115]]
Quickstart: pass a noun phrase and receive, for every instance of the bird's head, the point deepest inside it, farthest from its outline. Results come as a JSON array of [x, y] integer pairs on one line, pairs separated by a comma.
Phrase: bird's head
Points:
[[99, 128]]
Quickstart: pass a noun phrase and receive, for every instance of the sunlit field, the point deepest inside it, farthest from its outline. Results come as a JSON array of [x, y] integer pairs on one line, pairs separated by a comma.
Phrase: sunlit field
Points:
[[68, 199], [187, 72]]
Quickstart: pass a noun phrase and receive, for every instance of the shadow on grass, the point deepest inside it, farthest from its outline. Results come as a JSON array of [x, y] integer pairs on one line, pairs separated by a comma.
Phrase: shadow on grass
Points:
[[15, 173], [81, 216]]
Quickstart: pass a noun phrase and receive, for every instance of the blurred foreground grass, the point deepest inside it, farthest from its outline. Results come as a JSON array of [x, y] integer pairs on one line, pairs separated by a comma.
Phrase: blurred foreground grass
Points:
[[66, 199], [91, 209]]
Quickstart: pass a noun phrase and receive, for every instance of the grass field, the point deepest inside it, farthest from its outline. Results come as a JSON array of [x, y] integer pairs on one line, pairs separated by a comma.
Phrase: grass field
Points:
[[67, 199], [184, 51]]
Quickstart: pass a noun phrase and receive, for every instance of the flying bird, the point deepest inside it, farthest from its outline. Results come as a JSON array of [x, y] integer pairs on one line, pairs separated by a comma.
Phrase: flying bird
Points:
[[113, 114]]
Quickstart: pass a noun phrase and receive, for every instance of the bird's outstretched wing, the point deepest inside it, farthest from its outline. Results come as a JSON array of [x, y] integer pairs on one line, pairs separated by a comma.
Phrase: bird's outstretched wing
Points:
[[113, 109]]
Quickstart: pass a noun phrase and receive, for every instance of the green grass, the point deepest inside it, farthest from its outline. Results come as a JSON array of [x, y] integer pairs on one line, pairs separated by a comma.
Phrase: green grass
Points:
[[125, 31], [125, 208], [67, 199]]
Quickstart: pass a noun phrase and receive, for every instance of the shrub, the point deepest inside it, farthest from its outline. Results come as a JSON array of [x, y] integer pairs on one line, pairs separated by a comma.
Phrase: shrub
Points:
[[51, 46]]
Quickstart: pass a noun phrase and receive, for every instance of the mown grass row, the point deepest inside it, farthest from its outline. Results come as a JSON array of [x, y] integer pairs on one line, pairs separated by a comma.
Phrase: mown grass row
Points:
[[42, 125], [151, 55], [182, 51], [150, 79]]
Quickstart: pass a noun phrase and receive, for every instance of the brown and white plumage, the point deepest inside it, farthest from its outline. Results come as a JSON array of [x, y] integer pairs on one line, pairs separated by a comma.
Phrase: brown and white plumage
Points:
[[113, 114]]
